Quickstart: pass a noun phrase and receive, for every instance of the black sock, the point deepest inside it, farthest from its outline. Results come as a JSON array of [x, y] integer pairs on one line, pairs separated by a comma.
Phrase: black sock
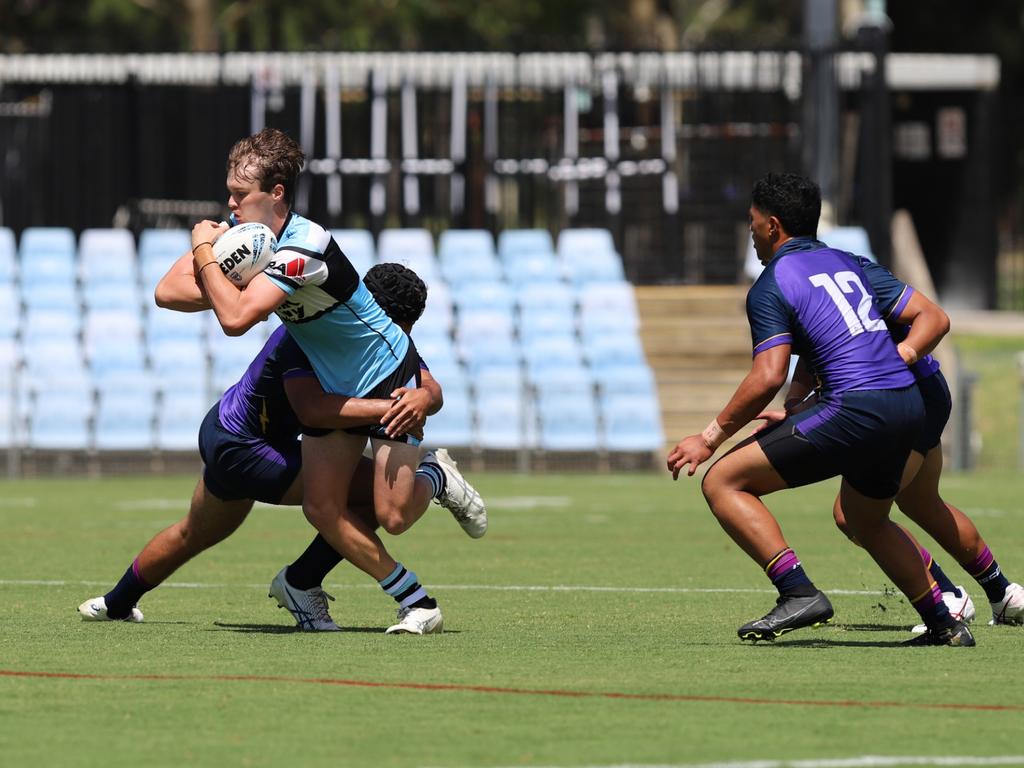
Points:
[[126, 593], [313, 565]]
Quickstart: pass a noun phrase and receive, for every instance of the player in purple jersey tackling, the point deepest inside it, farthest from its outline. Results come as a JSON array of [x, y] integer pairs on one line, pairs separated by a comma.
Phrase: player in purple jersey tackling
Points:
[[818, 303], [250, 447]]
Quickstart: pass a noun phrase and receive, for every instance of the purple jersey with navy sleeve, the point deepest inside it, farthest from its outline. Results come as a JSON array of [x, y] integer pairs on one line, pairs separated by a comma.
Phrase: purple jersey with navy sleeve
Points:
[[893, 296], [256, 406], [820, 301]]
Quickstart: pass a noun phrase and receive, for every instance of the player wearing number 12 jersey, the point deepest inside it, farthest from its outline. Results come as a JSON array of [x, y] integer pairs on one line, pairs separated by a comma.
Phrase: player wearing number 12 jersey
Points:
[[817, 302]]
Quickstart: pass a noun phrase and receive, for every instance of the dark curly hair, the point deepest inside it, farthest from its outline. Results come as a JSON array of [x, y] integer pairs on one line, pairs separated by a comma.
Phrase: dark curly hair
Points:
[[793, 199], [398, 290]]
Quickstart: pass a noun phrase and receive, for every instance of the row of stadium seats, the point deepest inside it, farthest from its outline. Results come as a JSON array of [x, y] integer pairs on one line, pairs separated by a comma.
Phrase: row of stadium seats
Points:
[[484, 337], [48, 260], [67, 417]]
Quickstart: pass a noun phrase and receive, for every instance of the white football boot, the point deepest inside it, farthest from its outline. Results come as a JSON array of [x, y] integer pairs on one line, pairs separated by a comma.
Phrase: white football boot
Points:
[[960, 608], [96, 610], [1009, 610], [417, 621], [307, 606], [459, 497]]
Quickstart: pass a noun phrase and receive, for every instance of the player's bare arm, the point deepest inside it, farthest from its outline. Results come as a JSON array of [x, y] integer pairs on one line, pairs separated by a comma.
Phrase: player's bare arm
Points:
[[766, 377], [179, 290], [316, 408], [237, 309], [928, 324]]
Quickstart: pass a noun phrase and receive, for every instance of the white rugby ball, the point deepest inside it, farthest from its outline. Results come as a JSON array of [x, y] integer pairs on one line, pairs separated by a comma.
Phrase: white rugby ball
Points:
[[244, 251]]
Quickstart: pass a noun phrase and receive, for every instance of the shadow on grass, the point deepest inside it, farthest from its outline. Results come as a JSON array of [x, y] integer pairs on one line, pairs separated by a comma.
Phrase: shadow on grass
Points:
[[277, 629]]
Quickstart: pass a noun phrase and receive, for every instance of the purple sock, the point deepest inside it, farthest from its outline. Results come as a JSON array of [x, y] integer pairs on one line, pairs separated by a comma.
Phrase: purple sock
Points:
[[945, 585], [934, 612], [788, 575], [985, 571]]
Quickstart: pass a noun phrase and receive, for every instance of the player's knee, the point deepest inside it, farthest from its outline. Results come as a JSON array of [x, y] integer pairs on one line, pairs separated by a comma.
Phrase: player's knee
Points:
[[840, 519], [393, 521]]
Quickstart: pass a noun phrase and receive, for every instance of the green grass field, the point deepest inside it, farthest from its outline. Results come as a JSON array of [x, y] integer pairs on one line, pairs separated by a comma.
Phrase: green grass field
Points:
[[593, 626]]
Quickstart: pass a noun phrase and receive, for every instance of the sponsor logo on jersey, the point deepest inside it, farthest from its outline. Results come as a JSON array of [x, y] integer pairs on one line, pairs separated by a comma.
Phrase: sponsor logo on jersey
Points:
[[293, 268]]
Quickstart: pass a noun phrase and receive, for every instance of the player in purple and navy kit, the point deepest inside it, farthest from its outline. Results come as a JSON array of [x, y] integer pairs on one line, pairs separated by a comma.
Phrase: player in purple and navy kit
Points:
[[251, 452], [817, 302], [919, 497]]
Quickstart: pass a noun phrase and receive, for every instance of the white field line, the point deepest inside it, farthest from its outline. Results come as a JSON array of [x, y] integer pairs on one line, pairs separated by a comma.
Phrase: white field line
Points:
[[475, 587], [865, 761]]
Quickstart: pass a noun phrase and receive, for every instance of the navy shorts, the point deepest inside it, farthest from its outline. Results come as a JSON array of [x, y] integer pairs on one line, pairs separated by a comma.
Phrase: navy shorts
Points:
[[407, 374], [937, 406], [246, 468], [865, 436]]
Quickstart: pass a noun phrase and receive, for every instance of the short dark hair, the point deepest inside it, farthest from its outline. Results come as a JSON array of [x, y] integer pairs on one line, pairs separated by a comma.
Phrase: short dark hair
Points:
[[398, 290], [269, 157], [793, 199]]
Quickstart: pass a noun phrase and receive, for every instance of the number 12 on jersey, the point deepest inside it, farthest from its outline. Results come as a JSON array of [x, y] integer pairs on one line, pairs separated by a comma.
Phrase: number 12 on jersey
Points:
[[845, 283]]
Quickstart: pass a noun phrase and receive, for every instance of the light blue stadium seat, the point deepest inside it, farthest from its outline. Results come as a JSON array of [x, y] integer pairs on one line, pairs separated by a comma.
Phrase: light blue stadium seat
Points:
[[59, 421], [165, 324], [113, 295], [467, 256], [631, 424], [452, 427], [489, 295], [10, 358], [589, 255], [111, 324], [567, 424], [551, 352], [479, 353], [62, 295], [8, 256], [143, 381], [585, 240], [46, 325], [512, 243], [542, 323], [546, 297], [557, 381], [438, 316], [412, 248], [107, 256], [179, 364], [485, 326], [505, 377], [180, 413], [112, 357], [230, 357], [125, 422], [10, 299], [47, 255], [46, 359], [528, 269], [158, 250], [614, 351], [852, 239], [357, 245], [633, 380], [615, 298], [501, 421], [10, 422]]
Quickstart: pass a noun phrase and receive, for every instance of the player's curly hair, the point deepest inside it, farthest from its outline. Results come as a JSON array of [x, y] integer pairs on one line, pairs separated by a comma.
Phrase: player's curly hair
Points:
[[793, 199], [398, 290], [269, 157]]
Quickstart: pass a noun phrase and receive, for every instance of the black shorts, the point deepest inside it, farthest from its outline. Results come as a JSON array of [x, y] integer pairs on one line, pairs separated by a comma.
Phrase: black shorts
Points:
[[407, 374], [245, 468], [865, 436], [937, 406]]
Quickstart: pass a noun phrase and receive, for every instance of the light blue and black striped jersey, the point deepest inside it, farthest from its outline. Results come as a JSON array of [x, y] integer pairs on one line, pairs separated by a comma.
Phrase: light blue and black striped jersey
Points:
[[351, 342]]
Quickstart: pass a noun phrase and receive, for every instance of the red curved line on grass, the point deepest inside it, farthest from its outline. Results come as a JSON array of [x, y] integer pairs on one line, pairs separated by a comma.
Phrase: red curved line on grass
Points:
[[519, 691]]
